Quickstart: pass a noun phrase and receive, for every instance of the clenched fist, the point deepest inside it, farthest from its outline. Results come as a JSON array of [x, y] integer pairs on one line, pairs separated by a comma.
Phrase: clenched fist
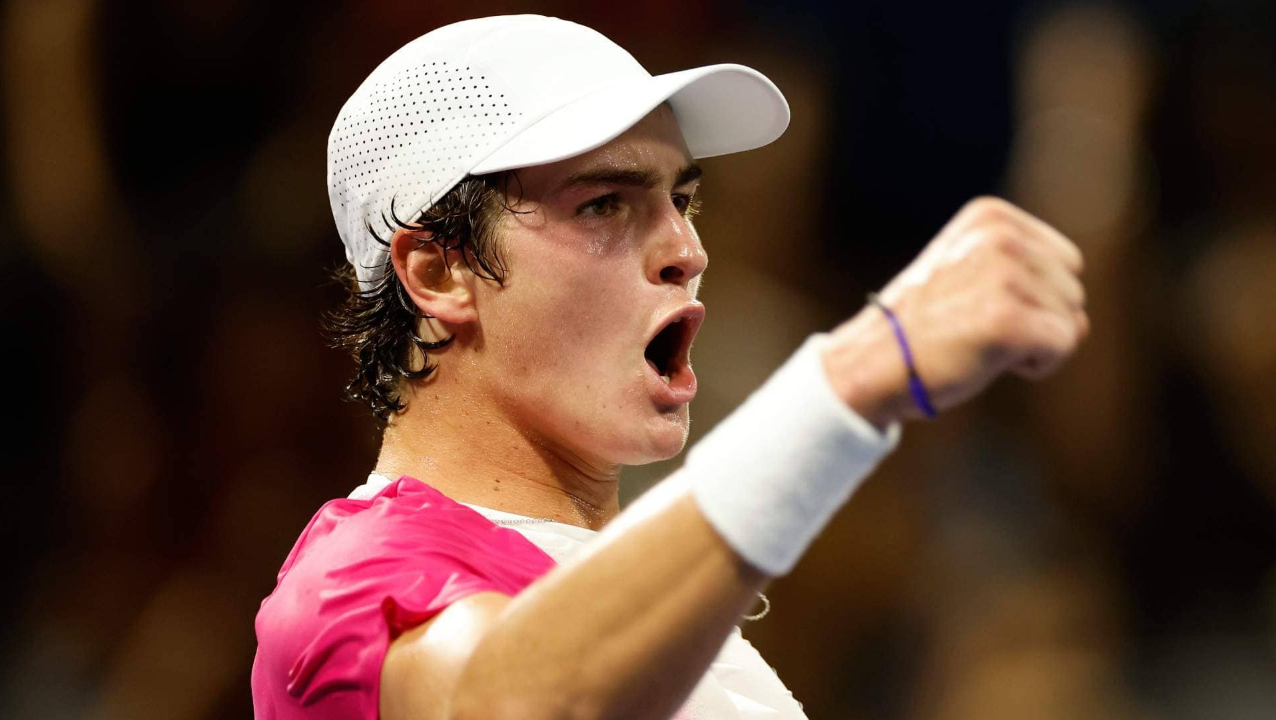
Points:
[[996, 291]]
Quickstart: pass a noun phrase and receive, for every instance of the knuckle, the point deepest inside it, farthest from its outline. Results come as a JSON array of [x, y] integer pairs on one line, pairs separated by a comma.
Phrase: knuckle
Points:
[[1083, 326], [1007, 275], [993, 239], [1007, 241], [988, 205], [1076, 259], [1068, 338]]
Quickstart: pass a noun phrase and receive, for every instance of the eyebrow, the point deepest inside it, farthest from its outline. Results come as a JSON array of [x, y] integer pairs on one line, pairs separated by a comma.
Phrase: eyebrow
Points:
[[643, 177]]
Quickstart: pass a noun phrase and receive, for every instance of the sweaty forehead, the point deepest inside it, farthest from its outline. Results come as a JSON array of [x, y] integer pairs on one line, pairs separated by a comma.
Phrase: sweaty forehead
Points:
[[656, 137]]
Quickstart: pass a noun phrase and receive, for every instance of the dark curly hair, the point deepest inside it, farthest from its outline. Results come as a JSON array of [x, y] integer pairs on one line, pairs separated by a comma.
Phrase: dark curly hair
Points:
[[378, 326]]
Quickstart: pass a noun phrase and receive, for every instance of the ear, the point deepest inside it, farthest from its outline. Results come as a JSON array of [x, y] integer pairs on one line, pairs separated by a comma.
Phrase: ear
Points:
[[434, 278]]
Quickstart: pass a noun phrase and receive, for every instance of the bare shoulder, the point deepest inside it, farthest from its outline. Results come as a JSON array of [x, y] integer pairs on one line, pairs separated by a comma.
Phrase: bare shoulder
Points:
[[423, 665]]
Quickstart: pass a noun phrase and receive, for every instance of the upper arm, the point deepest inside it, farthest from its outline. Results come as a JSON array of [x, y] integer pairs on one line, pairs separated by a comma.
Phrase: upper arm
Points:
[[423, 665]]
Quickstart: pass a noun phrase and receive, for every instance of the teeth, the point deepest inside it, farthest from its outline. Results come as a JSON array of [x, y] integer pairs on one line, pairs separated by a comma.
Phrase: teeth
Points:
[[665, 378]]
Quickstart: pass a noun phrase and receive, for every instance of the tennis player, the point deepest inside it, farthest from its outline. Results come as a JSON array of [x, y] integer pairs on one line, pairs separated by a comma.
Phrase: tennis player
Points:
[[515, 197]]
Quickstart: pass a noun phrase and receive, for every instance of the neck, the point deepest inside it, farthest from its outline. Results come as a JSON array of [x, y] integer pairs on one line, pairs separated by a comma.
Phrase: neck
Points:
[[463, 446]]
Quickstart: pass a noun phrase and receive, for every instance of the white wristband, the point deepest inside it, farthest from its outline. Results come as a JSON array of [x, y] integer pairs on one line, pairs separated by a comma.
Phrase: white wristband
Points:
[[772, 474]]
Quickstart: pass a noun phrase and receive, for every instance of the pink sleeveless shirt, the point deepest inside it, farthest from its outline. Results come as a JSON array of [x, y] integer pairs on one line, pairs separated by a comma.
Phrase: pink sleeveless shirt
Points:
[[362, 573]]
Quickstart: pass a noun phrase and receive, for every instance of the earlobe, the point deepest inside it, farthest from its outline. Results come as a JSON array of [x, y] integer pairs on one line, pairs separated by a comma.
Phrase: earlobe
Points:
[[433, 277]]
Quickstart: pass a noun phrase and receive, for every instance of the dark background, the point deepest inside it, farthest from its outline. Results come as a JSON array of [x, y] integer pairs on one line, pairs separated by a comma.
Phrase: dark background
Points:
[[1099, 545]]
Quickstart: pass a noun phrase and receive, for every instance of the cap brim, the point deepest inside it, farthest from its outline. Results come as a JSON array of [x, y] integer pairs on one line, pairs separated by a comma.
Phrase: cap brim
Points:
[[721, 109]]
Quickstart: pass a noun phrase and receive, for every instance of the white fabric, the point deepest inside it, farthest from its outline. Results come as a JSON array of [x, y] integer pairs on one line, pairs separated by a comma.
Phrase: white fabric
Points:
[[771, 475], [507, 92], [739, 684]]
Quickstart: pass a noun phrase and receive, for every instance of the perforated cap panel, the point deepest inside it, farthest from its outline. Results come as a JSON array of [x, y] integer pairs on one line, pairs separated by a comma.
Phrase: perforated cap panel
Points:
[[410, 140]]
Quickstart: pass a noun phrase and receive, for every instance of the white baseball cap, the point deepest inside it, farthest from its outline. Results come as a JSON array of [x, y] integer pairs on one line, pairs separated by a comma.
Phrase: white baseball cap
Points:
[[506, 92]]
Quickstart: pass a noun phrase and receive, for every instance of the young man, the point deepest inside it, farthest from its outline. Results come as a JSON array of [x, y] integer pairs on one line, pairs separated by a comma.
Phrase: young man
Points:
[[524, 325]]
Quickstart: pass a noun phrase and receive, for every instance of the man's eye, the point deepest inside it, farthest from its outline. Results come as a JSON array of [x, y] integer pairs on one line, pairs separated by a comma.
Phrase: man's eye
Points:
[[600, 207], [688, 205]]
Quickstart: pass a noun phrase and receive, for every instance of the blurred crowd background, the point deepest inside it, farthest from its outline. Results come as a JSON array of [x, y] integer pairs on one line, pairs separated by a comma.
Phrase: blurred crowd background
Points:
[[1100, 545]]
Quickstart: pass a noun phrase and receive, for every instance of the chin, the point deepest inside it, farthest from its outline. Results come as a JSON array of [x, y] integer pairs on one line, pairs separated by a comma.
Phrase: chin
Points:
[[662, 438]]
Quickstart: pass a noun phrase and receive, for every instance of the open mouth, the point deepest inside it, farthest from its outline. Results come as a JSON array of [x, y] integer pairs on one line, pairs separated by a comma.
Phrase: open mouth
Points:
[[667, 351], [668, 355]]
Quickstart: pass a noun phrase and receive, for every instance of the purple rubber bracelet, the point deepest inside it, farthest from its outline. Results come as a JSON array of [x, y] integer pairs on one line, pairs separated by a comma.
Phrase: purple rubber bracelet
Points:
[[914, 381]]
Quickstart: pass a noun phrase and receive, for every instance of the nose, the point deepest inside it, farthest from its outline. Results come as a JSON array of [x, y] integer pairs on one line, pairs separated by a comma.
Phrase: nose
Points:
[[675, 255]]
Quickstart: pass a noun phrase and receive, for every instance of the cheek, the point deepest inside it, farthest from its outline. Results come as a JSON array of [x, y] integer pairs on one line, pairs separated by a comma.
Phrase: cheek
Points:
[[562, 316]]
